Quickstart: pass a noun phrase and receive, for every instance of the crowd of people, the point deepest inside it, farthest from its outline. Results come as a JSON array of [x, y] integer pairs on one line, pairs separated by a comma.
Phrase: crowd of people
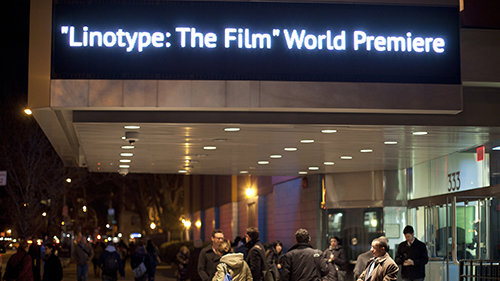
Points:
[[246, 259]]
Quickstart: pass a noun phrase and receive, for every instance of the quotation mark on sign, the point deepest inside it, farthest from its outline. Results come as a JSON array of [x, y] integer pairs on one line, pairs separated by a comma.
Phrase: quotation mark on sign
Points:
[[64, 29], [276, 32]]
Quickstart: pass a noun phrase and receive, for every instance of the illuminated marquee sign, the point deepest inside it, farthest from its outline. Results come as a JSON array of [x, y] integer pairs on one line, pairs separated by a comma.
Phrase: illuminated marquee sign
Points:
[[256, 41]]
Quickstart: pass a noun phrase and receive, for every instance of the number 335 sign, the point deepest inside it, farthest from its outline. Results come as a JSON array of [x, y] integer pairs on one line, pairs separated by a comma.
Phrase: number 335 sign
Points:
[[454, 181]]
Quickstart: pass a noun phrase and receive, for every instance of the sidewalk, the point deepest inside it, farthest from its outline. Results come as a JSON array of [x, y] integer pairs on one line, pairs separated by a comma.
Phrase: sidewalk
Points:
[[163, 273]]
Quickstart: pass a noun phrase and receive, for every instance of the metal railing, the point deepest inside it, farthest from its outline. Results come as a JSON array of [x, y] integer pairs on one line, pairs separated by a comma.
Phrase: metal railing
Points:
[[479, 270]]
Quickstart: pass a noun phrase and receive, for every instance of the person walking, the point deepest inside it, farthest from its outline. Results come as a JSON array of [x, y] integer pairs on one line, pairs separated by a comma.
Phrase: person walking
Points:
[[141, 256], [256, 253], [412, 255], [381, 267], [22, 259], [111, 263], [336, 258], [35, 253], [303, 262], [232, 263], [182, 262], [53, 270], [209, 257], [98, 249], [154, 255], [82, 254]]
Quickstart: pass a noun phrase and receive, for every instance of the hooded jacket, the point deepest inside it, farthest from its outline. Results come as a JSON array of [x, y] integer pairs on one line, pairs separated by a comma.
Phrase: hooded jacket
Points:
[[236, 266], [303, 263]]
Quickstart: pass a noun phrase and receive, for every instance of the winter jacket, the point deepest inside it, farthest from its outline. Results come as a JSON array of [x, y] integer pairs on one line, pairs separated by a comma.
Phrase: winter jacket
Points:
[[303, 263], [416, 252], [361, 263], [138, 258], [26, 273], [110, 251], [385, 269], [236, 266], [273, 257], [339, 262], [207, 263], [53, 270], [83, 254], [255, 258]]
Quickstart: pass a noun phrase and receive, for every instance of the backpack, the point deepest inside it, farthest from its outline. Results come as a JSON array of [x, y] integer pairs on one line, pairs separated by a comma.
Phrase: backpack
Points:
[[227, 276], [12, 272], [111, 263]]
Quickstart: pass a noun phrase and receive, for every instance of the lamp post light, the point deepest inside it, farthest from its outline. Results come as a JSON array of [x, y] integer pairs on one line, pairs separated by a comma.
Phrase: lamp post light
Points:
[[152, 225]]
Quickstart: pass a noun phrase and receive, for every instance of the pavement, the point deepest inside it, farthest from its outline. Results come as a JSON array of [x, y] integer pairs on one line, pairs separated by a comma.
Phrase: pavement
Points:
[[163, 273]]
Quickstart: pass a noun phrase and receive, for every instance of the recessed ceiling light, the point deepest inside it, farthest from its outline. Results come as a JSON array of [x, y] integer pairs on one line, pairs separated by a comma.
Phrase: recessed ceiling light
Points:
[[390, 142], [366, 150], [290, 148], [313, 168], [328, 131], [496, 148], [419, 133], [346, 157], [221, 140], [328, 163], [209, 147], [243, 172], [275, 156], [126, 154], [263, 162], [183, 171], [127, 147], [306, 141], [302, 173], [231, 129], [125, 160], [124, 138], [125, 166], [131, 127]]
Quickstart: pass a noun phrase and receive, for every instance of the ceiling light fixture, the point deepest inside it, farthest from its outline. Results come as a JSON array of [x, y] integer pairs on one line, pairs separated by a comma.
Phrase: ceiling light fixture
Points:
[[126, 154], [302, 173], [276, 156], [209, 147], [220, 140], [313, 168], [231, 129], [306, 141], [346, 157], [328, 131], [124, 166], [419, 133], [243, 172], [183, 171], [124, 138], [366, 150], [390, 142], [328, 163], [290, 148], [496, 148], [127, 147], [263, 162], [125, 160], [131, 127]]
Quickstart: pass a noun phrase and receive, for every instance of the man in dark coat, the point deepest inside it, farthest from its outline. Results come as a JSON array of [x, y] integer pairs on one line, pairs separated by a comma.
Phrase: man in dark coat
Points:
[[412, 255], [209, 257], [26, 272], [53, 270], [256, 253], [303, 262]]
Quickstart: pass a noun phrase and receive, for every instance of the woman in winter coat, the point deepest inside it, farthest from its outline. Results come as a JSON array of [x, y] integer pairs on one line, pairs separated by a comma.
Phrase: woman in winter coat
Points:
[[337, 261], [232, 263], [141, 256], [274, 258]]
